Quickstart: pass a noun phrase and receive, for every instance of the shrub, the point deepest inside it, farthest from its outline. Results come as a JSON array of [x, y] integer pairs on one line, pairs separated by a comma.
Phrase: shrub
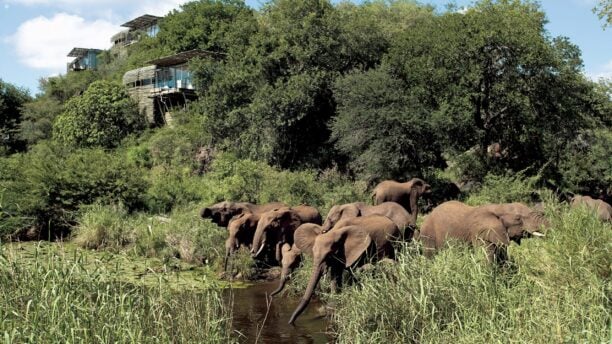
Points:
[[101, 226], [505, 189], [586, 166], [102, 116], [173, 187], [48, 184]]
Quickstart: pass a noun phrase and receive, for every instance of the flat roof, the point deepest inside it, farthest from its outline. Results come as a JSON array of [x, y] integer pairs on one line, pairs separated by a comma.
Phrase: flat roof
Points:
[[141, 22], [80, 52], [183, 57]]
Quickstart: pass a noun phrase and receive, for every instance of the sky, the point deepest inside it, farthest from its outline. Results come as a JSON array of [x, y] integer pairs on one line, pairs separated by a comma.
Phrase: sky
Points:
[[36, 35]]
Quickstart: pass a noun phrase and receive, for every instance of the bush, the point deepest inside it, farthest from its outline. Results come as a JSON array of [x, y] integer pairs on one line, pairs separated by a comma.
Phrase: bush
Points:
[[555, 291], [505, 189], [46, 186], [102, 116], [586, 166], [173, 187], [101, 226]]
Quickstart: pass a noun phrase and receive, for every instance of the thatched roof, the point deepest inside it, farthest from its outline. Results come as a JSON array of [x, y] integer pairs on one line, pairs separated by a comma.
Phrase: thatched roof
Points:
[[143, 73]]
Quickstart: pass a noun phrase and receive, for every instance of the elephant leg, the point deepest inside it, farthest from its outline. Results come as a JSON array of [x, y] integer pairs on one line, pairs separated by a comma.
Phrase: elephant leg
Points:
[[277, 252], [497, 254], [336, 271]]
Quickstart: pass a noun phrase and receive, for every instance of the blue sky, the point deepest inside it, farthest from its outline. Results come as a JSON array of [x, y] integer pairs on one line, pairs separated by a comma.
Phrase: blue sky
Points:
[[36, 35]]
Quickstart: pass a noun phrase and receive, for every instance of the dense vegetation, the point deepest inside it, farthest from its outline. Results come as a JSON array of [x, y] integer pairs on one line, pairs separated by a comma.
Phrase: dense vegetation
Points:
[[314, 102]]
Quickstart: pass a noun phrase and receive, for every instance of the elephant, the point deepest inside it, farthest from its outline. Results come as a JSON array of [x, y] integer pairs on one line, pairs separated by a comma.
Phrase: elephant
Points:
[[241, 230], [492, 225], [395, 212], [406, 194], [292, 255], [276, 227], [343, 247], [602, 209], [221, 213]]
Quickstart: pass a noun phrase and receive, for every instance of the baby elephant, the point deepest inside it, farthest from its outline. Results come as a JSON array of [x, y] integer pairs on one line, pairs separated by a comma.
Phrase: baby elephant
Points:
[[601, 208]]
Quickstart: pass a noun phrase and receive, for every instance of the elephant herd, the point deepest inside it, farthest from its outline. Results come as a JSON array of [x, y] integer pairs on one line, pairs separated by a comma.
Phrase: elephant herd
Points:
[[356, 233]]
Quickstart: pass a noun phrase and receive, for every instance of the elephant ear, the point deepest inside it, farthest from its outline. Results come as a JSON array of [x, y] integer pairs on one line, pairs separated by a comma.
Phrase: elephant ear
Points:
[[356, 243], [289, 220], [304, 237], [350, 211], [509, 220], [497, 235]]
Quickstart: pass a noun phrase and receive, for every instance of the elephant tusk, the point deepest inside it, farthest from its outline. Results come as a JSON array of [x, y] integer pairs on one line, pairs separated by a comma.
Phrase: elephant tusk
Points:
[[538, 234], [260, 249]]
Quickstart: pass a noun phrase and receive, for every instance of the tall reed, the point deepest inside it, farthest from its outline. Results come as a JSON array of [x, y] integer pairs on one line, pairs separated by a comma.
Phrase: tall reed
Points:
[[53, 298]]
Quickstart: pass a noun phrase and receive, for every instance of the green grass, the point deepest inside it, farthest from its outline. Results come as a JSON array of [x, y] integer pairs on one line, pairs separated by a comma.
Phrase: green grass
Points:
[[55, 294], [555, 290]]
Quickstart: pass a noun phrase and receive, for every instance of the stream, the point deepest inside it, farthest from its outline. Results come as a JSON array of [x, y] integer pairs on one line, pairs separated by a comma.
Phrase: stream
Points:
[[251, 309]]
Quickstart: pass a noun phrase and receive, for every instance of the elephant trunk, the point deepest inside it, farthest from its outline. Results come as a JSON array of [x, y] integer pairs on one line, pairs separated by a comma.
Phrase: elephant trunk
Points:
[[326, 225], [312, 284], [414, 209], [229, 245], [225, 262], [284, 277], [259, 241]]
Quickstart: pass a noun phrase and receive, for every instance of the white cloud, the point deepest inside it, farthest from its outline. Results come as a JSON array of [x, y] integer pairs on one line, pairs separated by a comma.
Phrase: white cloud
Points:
[[44, 42], [604, 71], [155, 7], [133, 8], [463, 10]]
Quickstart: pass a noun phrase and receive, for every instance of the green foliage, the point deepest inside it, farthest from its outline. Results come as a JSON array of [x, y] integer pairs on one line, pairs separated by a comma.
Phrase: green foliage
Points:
[[11, 101], [46, 185], [170, 188], [585, 165], [103, 227], [555, 291], [38, 117], [246, 180], [182, 234], [603, 9], [212, 25], [505, 189], [63, 87], [382, 128], [493, 75], [102, 116], [60, 295]]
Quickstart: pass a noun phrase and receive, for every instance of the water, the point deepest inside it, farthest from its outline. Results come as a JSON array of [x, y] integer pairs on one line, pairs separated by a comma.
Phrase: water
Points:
[[251, 308]]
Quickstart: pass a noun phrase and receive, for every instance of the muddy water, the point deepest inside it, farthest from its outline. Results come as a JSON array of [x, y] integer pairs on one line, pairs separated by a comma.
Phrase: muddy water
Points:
[[251, 311]]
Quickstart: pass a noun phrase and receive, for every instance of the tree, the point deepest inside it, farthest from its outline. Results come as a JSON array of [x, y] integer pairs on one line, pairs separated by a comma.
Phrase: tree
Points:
[[492, 75], [102, 116], [603, 9], [382, 128], [12, 99], [212, 25]]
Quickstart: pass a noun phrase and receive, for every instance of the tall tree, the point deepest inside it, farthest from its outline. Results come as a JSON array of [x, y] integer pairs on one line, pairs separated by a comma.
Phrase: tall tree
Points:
[[12, 99]]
